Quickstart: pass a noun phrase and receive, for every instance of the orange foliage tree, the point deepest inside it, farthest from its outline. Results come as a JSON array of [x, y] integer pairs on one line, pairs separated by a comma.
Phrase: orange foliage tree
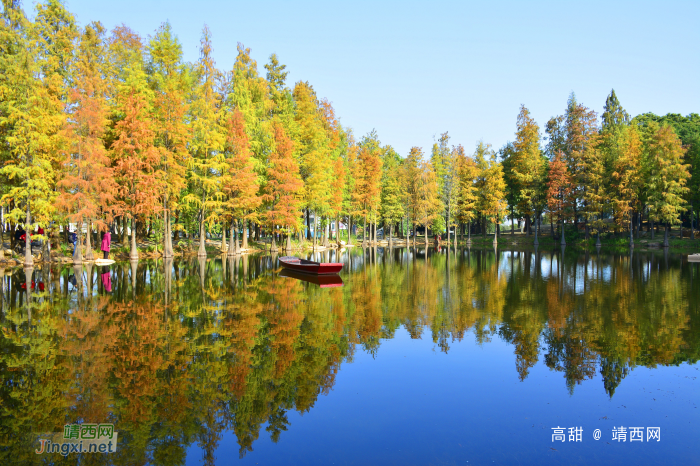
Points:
[[368, 179], [283, 186], [558, 190], [241, 184], [134, 152], [87, 189]]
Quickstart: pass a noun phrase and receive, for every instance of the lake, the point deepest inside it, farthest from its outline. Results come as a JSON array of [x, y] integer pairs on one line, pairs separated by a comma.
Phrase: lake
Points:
[[415, 357]]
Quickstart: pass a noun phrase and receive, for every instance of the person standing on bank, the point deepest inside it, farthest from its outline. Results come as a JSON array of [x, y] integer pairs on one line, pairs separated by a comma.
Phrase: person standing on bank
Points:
[[106, 243], [73, 239]]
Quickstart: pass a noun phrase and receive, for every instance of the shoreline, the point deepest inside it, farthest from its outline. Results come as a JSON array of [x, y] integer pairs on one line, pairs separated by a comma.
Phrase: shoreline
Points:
[[520, 241]]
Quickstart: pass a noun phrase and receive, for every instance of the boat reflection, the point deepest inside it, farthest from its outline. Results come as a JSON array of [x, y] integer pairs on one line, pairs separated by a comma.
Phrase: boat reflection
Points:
[[323, 281]]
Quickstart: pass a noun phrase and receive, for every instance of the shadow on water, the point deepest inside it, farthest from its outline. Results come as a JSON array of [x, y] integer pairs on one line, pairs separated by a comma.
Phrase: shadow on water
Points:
[[176, 352]]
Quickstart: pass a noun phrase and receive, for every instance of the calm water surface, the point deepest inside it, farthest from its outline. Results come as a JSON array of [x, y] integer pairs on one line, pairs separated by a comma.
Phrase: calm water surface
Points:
[[420, 357]]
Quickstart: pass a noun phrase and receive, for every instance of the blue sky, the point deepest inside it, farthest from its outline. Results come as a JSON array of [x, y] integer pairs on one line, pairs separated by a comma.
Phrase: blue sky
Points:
[[413, 70]]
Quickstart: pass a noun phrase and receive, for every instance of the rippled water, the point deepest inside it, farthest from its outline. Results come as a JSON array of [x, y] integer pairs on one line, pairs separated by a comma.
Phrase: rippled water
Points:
[[419, 357]]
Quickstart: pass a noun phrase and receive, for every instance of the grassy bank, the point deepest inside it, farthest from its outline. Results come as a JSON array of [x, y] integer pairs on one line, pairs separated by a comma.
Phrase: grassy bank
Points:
[[578, 241], [574, 240]]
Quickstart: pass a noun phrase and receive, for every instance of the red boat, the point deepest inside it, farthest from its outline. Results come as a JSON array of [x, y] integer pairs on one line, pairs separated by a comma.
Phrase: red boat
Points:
[[316, 268], [323, 281]]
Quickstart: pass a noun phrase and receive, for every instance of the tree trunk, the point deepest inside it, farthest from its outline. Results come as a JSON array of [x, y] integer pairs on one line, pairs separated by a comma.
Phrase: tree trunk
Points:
[[78, 250], [469, 232], [563, 236], [631, 231], [326, 232], [125, 235], [390, 238], [224, 246], [167, 235], [666, 244], [89, 255], [364, 233], [528, 225], [337, 231], [2, 237], [551, 226], [12, 236], [448, 228], [45, 247], [244, 234], [233, 240], [28, 258], [134, 254], [315, 233], [308, 224], [651, 222], [202, 251], [138, 226]]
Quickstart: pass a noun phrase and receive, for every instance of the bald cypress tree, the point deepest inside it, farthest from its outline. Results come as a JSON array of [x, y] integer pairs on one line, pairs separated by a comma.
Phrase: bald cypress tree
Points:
[[35, 60], [668, 176], [428, 206], [528, 165], [135, 156], [614, 117], [410, 174], [393, 190], [441, 160], [170, 81], [559, 190], [468, 198], [87, 187], [627, 178], [493, 204], [314, 153], [240, 183], [206, 161], [283, 188]]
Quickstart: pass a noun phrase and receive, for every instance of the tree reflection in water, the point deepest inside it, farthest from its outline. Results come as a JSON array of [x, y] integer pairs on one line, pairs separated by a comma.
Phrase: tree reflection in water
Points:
[[174, 353]]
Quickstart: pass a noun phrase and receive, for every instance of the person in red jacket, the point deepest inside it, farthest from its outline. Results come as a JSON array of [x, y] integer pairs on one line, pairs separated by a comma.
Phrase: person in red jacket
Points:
[[106, 243], [106, 279]]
